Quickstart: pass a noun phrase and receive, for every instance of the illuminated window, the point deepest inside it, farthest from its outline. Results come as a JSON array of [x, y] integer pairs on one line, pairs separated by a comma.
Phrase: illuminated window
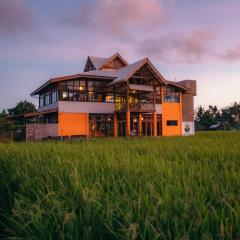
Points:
[[109, 98], [90, 96], [64, 95]]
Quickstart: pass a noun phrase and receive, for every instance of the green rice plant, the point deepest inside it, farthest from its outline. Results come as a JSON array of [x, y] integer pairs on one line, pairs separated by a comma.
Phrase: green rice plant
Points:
[[135, 188]]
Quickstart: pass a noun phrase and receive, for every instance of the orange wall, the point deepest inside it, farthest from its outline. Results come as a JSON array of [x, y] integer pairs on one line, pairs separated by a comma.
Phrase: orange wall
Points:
[[172, 111], [70, 124]]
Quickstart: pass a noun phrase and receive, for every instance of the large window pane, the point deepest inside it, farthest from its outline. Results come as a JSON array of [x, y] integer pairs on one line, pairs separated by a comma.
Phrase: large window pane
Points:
[[64, 95]]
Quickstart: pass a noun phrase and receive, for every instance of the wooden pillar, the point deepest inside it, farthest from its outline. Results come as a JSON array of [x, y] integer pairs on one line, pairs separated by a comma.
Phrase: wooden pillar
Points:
[[180, 113], [127, 97], [128, 127], [154, 97], [115, 125], [140, 124], [154, 124], [87, 127]]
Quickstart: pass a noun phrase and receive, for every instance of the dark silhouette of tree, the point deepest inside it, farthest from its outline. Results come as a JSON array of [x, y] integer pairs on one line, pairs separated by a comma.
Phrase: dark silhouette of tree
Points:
[[13, 118], [226, 118], [22, 108]]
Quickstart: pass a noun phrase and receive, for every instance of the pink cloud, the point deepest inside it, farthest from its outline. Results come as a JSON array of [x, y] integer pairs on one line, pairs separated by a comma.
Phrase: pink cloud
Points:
[[117, 17], [192, 47], [15, 17], [232, 54]]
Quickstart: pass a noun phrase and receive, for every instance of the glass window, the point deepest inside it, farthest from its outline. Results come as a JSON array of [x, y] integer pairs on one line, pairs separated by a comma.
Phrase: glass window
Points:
[[47, 99], [82, 96], [71, 95], [109, 98], [90, 96], [70, 83], [41, 101], [54, 96], [64, 95], [82, 86], [172, 123], [171, 95]]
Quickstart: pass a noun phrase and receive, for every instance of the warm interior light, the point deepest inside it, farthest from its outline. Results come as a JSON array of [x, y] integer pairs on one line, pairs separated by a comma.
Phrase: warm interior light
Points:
[[142, 118], [64, 94], [80, 88]]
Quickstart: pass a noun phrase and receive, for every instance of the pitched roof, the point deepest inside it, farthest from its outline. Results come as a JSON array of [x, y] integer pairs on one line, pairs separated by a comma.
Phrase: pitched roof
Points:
[[110, 59], [114, 76], [125, 73], [101, 73], [91, 74], [98, 62], [174, 84]]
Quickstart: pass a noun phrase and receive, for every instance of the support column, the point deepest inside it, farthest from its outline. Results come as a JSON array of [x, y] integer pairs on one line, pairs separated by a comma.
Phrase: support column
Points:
[[127, 123], [140, 124], [87, 125], [154, 124], [115, 125], [180, 114]]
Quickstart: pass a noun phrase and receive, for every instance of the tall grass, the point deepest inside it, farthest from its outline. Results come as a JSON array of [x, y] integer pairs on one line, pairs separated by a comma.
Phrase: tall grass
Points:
[[140, 188]]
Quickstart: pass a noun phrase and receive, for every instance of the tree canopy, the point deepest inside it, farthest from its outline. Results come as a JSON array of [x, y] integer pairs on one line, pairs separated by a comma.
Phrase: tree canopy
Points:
[[12, 118], [226, 118], [22, 108]]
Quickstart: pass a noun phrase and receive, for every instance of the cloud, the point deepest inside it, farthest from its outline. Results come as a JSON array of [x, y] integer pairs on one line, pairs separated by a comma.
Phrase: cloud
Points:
[[116, 17], [179, 47], [232, 54], [15, 17]]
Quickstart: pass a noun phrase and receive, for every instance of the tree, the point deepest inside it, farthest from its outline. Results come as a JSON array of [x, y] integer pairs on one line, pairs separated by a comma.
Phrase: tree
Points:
[[3, 113], [231, 116], [22, 108], [5, 123], [206, 118], [227, 118]]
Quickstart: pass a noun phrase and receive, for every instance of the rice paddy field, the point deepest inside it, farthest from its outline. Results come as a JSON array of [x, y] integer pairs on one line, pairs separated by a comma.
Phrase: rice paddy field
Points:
[[136, 188]]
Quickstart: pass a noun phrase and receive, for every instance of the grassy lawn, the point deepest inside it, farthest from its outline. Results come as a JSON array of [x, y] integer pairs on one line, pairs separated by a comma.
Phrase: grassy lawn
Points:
[[139, 188]]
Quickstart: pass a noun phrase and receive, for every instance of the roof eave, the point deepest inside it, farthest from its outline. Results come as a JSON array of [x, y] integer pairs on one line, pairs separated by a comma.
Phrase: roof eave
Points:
[[60, 79]]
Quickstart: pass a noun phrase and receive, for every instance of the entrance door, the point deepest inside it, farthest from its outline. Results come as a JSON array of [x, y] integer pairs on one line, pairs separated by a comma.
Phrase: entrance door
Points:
[[121, 129], [147, 125]]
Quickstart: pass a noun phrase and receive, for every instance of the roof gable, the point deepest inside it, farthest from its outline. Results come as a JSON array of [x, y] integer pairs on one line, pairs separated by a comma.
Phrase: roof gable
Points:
[[94, 63], [125, 73], [114, 62], [97, 63]]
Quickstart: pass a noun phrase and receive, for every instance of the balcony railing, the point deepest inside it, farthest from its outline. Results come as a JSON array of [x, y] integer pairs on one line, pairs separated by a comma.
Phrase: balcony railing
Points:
[[135, 106]]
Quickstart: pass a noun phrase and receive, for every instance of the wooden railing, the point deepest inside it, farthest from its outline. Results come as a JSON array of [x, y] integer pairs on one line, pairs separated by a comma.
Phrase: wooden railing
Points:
[[135, 106]]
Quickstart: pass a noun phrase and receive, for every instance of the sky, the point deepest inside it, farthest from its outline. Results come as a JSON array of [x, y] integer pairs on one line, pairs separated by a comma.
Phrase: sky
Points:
[[184, 39]]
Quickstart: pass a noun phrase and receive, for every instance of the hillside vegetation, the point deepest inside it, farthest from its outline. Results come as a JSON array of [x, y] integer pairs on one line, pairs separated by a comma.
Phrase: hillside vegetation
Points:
[[138, 188]]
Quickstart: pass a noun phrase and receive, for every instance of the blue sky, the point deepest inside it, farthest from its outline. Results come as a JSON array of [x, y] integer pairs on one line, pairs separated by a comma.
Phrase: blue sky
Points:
[[184, 39]]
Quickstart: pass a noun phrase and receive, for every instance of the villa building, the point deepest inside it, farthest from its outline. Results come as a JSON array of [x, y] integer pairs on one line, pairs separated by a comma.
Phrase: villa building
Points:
[[113, 98]]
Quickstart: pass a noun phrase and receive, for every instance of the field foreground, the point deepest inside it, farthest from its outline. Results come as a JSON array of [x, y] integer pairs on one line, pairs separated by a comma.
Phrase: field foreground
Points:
[[140, 188]]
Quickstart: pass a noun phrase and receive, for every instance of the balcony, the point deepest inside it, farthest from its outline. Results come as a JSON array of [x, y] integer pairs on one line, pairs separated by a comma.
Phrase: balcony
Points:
[[135, 106]]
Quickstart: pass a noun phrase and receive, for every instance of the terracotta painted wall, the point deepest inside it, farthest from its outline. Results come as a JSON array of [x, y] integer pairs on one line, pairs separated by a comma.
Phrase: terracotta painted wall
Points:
[[70, 124], [172, 111]]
